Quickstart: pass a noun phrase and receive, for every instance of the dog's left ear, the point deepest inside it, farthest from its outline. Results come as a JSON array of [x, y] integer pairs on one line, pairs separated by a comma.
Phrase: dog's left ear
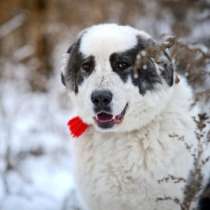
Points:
[[165, 63], [167, 67]]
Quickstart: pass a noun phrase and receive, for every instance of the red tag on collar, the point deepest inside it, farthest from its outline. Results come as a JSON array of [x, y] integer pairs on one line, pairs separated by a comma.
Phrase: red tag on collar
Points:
[[77, 127]]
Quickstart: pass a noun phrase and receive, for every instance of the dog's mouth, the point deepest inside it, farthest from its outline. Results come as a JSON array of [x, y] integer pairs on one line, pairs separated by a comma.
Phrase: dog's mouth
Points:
[[108, 120]]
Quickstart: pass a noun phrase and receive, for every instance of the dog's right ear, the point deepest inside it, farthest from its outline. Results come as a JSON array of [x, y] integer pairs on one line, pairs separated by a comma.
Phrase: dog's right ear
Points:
[[70, 74], [70, 49], [63, 79], [62, 74]]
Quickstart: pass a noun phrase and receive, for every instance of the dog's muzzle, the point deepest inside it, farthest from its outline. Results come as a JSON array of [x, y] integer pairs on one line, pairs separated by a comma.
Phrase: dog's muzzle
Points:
[[104, 118], [108, 120]]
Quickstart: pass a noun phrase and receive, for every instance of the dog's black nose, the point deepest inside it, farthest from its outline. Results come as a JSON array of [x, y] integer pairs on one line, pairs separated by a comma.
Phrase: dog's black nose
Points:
[[101, 98]]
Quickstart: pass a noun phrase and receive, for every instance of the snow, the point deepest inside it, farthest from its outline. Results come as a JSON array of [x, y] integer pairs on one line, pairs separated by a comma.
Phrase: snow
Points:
[[33, 125]]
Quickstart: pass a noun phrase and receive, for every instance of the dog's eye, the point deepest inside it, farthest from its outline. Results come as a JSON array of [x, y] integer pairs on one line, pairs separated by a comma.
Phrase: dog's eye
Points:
[[122, 65], [87, 66]]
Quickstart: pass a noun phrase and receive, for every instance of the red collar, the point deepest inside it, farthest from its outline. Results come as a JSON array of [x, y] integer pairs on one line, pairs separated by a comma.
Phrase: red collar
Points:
[[77, 126]]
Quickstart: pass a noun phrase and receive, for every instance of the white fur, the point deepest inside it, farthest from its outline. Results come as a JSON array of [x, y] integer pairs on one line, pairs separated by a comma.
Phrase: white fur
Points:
[[119, 168]]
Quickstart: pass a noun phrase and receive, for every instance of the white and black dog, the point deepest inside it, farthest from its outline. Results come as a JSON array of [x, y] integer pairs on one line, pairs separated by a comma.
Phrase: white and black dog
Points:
[[129, 158]]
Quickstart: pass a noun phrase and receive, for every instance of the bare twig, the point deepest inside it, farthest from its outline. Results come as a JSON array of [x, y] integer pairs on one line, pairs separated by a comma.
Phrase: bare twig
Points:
[[12, 25], [190, 59], [194, 185], [153, 51], [193, 49], [203, 95]]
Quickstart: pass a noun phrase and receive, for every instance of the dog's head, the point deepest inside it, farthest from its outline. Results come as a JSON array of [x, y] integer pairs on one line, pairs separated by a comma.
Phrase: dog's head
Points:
[[99, 75]]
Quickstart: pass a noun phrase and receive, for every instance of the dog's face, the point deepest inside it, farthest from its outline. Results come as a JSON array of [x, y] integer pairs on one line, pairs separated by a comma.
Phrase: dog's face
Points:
[[99, 75]]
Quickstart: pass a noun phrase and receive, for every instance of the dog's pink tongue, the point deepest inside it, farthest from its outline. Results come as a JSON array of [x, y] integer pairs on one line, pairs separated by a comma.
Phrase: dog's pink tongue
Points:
[[77, 126]]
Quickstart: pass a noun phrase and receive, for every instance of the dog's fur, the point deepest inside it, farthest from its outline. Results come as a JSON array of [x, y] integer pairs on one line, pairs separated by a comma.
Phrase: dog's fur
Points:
[[134, 165]]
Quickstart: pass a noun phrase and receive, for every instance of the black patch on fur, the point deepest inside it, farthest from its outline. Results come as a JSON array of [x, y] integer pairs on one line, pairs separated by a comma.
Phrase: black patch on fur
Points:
[[204, 203], [128, 57], [168, 73], [70, 49], [147, 77], [75, 74], [168, 70], [63, 79]]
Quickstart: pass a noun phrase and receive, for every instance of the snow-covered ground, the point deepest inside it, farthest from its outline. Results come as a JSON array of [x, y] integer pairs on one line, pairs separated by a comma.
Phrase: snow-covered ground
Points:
[[35, 159]]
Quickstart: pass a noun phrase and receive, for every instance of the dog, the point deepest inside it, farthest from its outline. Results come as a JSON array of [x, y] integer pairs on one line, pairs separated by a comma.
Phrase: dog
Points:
[[133, 156]]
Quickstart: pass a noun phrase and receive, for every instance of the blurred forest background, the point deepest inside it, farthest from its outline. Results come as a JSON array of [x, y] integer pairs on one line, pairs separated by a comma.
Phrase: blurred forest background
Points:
[[35, 161]]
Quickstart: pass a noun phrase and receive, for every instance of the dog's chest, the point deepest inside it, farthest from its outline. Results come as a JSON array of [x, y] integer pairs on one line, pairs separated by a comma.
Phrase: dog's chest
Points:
[[127, 170]]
